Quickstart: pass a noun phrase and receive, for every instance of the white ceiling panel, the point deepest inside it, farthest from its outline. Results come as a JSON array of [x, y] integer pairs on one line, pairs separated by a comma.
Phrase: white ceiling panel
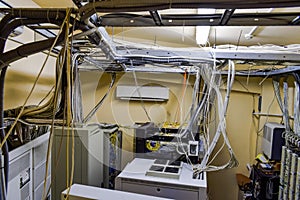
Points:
[[54, 3]]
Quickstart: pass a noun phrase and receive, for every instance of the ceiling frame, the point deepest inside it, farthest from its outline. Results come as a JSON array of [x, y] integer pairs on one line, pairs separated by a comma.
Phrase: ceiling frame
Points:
[[228, 18], [137, 5]]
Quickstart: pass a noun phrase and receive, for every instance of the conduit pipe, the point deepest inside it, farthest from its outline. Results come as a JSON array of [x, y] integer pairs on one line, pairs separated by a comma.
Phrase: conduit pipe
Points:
[[26, 50], [32, 13]]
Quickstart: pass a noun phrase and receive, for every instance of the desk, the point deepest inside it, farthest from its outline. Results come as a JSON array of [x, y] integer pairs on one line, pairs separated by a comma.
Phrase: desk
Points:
[[134, 179]]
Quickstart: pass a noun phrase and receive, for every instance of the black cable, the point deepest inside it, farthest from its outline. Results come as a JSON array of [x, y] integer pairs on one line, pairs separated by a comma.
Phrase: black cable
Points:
[[5, 151], [77, 3], [11, 21], [2, 190], [8, 24], [2, 133]]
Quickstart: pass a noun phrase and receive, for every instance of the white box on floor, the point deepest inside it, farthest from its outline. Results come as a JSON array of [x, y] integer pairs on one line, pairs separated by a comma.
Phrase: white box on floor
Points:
[[134, 179], [84, 192]]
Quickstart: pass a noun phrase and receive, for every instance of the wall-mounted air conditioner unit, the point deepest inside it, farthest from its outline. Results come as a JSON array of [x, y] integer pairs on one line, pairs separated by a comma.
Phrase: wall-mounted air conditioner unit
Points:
[[145, 93]]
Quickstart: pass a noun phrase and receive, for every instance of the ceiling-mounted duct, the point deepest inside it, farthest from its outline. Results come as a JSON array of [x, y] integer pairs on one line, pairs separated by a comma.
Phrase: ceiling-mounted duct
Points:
[[145, 93]]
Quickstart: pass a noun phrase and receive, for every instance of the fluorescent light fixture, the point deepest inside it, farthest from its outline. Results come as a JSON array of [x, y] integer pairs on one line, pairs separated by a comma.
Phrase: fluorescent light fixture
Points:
[[202, 32]]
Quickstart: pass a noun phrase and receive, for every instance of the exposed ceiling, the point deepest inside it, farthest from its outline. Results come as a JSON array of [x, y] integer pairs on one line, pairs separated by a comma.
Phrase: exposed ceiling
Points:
[[185, 35], [54, 3]]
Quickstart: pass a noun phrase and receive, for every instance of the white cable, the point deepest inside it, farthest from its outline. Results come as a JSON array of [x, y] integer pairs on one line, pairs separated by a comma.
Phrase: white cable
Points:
[[183, 97], [285, 107], [297, 109], [221, 129], [277, 93], [195, 90], [140, 96]]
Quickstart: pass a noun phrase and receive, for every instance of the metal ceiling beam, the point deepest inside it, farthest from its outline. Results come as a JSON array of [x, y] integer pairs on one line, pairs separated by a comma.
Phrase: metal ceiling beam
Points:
[[296, 21], [267, 73], [226, 17], [229, 18], [156, 17], [219, 54], [136, 5]]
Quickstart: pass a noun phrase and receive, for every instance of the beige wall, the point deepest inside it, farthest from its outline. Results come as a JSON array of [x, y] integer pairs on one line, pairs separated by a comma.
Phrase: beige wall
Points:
[[242, 135], [126, 113], [245, 131], [22, 74]]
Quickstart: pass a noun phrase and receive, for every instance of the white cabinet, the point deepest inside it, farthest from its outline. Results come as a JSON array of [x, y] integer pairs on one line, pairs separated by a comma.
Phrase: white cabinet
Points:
[[38, 169], [27, 165], [84, 192], [134, 179], [19, 181], [92, 158]]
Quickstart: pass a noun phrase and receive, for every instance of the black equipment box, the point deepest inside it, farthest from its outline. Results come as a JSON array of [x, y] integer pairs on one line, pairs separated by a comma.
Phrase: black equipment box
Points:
[[265, 183], [158, 143]]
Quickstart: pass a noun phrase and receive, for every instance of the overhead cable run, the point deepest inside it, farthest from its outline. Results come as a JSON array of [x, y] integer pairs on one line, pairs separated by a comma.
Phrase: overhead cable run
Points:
[[211, 76], [127, 54]]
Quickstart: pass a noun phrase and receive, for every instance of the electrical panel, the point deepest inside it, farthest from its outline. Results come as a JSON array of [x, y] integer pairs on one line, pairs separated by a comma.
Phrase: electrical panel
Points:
[[27, 170]]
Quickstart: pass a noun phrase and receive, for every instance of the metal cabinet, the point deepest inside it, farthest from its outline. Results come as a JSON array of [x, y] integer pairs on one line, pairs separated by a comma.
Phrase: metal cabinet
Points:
[[92, 156], [27, 170]]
